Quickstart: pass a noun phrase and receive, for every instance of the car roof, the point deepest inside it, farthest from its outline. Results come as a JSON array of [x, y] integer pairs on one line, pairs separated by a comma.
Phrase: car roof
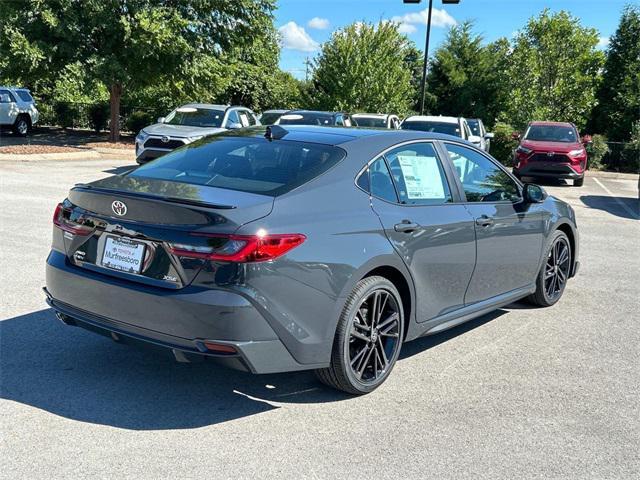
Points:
[[314, 112], [432, 118], [206, 105], [371, 115], [550, 124], [275, 111], [330, 135]]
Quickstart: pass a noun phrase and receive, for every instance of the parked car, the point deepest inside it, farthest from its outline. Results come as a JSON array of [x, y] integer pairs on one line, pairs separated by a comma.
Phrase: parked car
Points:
[[477, 129], [270, 117], [456, 126], [18, 110], [189, 123], [312, 117], [316, 249], [376, 120], [551, 150]]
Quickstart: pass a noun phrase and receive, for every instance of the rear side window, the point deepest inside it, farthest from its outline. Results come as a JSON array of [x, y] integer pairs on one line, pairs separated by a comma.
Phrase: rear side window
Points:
[[418, 175], [248, 164], [24, 95], [380, 181]]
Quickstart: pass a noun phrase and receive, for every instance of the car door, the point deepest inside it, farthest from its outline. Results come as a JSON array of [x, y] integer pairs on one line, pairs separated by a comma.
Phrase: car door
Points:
[[7, 108], [509, 232], [432, 233]]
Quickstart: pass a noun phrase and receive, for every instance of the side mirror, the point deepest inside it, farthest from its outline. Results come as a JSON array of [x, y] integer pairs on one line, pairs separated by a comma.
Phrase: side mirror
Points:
[[234, 125], [475, 140], [160, 119], [534, 193], [489, 136]]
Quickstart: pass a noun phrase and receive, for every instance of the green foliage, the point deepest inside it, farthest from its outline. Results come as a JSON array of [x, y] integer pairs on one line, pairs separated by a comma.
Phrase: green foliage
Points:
[[98, 116], [66, 113], [596, 151], [466, 78], [363, 69], [619, 93], [504, 143], [553, 72], [631, 152], [138, 120]]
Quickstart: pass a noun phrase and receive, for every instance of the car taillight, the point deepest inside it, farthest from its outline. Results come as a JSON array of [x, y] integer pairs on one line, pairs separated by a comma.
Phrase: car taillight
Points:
[[239, 248], [60, 222]]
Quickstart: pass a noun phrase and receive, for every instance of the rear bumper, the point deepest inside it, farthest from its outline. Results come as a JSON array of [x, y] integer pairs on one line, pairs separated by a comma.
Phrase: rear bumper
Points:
[[549, 170], [178, 320]]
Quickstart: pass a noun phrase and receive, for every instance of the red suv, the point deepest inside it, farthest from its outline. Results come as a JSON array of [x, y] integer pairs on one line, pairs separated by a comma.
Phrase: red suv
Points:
[[551, 149]]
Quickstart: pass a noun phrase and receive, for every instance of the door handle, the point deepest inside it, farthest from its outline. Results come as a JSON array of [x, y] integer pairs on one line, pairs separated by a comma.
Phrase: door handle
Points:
[[406, 226], [484, 221]]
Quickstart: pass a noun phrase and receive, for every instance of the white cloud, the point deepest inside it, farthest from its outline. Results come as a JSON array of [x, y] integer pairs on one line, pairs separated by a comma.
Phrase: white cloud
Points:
[[295, 37], [318, 23], [603, 42], [407, 28], [439, 18]]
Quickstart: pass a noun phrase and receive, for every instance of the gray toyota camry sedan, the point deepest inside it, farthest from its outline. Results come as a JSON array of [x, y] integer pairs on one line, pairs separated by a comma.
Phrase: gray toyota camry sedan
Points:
[[297, 247]]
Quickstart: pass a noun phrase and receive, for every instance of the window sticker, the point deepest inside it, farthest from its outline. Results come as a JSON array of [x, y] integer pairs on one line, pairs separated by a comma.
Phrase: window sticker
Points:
[[422, 177]]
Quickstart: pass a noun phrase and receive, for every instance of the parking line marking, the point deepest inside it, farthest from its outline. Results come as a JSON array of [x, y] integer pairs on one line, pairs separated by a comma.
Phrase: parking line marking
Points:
[[618, 201]]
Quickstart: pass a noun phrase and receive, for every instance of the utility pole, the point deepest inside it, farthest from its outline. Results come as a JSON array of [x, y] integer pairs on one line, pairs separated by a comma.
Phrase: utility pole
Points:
[[423, 84]]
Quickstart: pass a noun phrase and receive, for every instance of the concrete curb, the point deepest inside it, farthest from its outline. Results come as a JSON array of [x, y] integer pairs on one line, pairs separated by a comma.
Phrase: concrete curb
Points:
[[88, 154]]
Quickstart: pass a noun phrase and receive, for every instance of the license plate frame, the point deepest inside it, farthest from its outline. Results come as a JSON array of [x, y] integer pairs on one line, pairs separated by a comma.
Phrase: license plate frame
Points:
[[123, 254]]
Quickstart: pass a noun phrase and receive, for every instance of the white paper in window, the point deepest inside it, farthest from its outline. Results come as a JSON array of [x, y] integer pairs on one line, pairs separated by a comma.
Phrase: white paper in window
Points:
[[421, 177]]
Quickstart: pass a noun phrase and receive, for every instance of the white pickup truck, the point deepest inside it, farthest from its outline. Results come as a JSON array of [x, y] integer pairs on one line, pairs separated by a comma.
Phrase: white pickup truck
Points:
[[17, 110]]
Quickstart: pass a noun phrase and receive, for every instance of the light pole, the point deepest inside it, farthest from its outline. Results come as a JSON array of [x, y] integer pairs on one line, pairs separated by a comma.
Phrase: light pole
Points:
[[423, 84]]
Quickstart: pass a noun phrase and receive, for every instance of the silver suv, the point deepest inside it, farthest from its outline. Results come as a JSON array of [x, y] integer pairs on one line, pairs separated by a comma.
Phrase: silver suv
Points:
[[189, 123], [17, 110]]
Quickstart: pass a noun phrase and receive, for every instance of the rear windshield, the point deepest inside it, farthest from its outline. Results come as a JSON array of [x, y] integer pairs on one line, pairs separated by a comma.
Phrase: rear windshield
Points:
[[551, 133], [371, 122], [305, 119], [24, 95], [195, 117], [269, 118], [437, 127], [248, 164]]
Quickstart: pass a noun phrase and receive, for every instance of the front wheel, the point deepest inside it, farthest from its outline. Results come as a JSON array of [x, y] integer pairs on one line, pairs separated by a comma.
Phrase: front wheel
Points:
[[553, 276], [368, 338]]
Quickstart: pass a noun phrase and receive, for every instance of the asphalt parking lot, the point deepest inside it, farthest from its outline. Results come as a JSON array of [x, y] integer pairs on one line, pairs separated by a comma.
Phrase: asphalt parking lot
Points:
[[520, 393]]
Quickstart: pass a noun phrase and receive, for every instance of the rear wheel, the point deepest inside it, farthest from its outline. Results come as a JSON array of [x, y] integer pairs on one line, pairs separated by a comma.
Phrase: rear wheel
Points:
[[22, 126], [368, 338], [578, 182], [553, 276]]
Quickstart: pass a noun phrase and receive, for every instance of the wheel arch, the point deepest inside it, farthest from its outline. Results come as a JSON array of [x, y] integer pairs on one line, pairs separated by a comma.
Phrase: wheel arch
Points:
[[569, 231]]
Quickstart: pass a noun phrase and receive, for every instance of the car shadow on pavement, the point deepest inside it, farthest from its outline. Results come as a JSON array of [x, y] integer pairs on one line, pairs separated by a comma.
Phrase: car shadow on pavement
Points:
[[86, 377], [614, 205]]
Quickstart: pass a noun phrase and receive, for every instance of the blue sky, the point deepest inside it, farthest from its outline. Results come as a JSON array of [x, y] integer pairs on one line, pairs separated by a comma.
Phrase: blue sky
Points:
[[305, 24]]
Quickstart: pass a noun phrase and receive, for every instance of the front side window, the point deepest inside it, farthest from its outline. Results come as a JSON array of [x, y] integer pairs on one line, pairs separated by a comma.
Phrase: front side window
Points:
[[482, 180], [248, 164], [418, 175], [233, 118], [380, 180], [195, 117]]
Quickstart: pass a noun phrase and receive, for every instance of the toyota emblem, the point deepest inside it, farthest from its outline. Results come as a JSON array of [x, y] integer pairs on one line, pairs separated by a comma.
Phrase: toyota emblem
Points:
[[164, 139], [119, 208], [550, 154]]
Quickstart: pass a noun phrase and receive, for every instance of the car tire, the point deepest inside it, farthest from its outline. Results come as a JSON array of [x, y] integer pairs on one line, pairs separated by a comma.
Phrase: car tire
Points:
[[578, 182], [547, 292], [362, 357], [22, 126]]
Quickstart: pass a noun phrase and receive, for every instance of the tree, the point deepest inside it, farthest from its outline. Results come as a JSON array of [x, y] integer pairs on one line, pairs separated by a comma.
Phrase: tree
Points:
[[554, 71], [126, 44], [619, 94], [362, 68], [466, 77]]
